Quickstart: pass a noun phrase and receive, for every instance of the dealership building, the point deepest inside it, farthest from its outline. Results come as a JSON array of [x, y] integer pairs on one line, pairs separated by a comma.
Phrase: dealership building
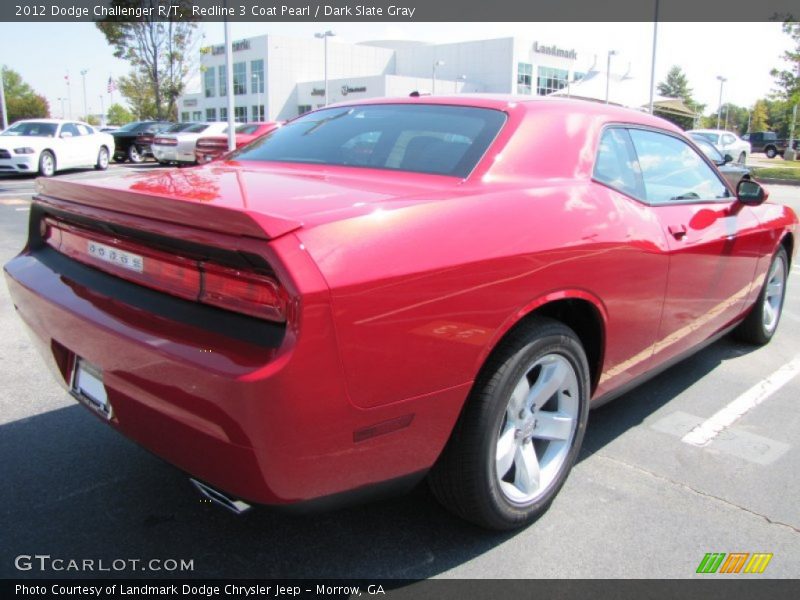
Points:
[[277, 77]]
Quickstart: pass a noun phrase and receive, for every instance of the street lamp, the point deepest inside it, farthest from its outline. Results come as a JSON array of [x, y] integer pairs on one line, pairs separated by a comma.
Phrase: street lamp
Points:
[[63, 114], [257, 85], [608, 72], [3, 101], [102, 112], [85, 106], [324, 37], [722, 81], [436, 64]]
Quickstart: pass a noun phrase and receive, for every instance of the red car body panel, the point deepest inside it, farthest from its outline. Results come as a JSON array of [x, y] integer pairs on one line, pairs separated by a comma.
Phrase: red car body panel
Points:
[[211, 147], [401, 284]]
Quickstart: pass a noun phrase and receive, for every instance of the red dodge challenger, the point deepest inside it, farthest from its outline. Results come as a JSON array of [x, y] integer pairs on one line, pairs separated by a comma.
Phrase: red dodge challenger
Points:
[[388, 289]]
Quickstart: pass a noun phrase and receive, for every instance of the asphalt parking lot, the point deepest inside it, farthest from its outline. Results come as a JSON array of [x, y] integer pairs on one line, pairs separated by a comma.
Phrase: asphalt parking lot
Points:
[[641, 503]]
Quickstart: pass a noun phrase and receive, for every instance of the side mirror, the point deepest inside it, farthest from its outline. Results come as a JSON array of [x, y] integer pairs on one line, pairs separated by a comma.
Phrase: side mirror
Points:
[[66, 134], [750, 192], [728, 158]]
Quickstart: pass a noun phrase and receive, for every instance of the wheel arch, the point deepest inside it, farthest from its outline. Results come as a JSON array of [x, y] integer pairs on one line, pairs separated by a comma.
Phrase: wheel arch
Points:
[[579, 310], [787, 241]]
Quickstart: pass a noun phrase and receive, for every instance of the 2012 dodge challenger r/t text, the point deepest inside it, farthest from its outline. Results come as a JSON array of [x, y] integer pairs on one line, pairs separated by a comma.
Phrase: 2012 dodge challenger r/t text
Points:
[[383, 290]]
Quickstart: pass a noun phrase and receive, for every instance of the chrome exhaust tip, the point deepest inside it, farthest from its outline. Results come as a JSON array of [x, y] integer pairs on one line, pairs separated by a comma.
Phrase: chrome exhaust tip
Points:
[[221, 498]]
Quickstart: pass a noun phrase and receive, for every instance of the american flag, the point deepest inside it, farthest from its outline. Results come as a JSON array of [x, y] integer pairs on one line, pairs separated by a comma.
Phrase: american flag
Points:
[[112, 85]]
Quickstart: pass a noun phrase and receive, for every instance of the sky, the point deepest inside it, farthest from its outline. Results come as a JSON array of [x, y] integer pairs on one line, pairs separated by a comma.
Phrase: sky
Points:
[[744, 53]]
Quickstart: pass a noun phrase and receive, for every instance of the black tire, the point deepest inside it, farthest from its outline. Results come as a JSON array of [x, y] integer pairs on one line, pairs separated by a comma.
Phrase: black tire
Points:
[[771, 151], [134, 155], [464, 479], [163, 163], [47, 164], [742, 158], [102, 159], [754, 330]]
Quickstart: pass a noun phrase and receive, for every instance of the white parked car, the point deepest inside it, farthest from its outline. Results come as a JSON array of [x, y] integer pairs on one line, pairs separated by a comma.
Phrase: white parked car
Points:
[[45, 146], [726, 142], [179, 147]]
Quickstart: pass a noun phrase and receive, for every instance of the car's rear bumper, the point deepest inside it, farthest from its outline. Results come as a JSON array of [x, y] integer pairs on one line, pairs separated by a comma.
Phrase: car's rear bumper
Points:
[[267, 422], [173, 154], [20, 163]]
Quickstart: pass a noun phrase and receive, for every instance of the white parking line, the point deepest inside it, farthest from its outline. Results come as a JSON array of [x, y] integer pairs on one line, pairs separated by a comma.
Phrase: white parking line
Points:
[[712, 427]]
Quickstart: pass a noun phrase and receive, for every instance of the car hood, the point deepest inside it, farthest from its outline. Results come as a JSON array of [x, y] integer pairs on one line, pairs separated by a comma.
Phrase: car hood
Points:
[[276, 196], [16, 141]]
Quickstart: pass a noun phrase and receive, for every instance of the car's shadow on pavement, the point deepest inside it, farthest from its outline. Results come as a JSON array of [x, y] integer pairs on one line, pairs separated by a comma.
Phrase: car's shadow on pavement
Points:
[[75, 489]]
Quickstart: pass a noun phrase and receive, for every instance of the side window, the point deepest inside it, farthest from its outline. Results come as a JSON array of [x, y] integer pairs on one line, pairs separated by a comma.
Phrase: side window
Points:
[[672, 170], [70, 129], [616, 164], [83, 129]]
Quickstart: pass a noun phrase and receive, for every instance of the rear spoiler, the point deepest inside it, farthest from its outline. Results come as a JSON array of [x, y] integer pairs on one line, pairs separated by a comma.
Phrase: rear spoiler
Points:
[[193, 213]]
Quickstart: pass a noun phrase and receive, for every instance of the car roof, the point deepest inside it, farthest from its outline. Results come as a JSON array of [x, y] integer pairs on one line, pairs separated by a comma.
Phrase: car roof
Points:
[[565, 106]]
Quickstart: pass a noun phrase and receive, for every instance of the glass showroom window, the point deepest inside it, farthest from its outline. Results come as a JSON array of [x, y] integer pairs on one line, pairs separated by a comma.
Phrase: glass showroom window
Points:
[[223, 82], [223, 114], [197, 116], [240, 114], [185, 117], [551, 80], [211, 114], [239, 78], [524, 78], [258, 112], [303, 109], [257, 76], [210, 81]]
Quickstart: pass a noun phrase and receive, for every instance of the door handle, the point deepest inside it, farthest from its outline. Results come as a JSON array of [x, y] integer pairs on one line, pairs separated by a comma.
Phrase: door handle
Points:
[[677, 231]]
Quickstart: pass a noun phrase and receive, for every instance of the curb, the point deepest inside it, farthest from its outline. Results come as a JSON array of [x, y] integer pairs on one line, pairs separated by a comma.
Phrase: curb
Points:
[[770, 181]]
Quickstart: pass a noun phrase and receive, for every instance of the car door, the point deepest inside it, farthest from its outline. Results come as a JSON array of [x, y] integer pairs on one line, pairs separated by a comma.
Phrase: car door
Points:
[[89, 144], [713, 241], [69, 152], [729, 146]]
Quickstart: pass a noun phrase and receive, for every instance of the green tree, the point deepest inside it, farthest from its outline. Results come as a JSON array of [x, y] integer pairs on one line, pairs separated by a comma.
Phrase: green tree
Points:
[[788, 80], [759, 116], [119, 115], [139, 95], [676, 85], [22, 102], [160, 51]]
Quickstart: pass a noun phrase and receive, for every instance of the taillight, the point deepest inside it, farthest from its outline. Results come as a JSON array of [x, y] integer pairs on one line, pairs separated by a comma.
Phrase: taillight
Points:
[[212, 143], [165, 141], [236, 290]]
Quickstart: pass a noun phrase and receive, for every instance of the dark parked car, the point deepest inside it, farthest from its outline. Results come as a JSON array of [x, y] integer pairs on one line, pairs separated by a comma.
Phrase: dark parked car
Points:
[[132, 141], [768, 142], [733, 172]]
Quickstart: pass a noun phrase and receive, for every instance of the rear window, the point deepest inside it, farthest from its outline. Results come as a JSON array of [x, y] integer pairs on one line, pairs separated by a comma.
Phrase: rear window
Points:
[[440, 140], [196, 128], [247, 129]]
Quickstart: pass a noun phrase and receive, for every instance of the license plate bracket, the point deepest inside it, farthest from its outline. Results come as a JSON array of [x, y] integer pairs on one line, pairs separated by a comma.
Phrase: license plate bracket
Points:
[[87, 387]]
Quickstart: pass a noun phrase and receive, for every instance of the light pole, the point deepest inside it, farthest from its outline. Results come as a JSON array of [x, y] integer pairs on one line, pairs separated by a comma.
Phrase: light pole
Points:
[[722, 81], [324, 37], [63, 114], [462, 79], [653, 58], [436, 64], [3, 101], [608, 72], [85, 106], [102, 112]]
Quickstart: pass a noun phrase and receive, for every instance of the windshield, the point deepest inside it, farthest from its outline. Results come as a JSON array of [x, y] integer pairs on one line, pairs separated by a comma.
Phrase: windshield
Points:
[[708, 148], [426, 138], [178, 127], [135, 126], [711, 137], [32, 128]]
